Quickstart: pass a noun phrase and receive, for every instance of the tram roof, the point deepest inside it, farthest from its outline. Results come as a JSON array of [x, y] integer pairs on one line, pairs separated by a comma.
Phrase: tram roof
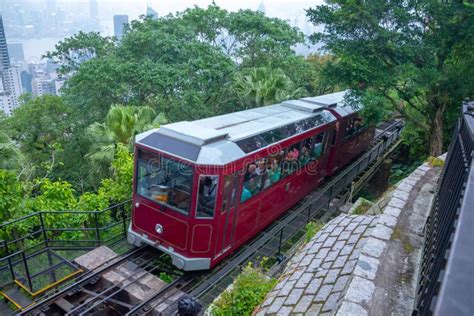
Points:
[[225, 138]]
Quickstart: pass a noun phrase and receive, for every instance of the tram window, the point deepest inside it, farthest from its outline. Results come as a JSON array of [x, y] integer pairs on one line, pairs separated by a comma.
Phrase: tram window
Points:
[[207, 196], [165, 181], [291, 162], [318, 148], [353, 125]]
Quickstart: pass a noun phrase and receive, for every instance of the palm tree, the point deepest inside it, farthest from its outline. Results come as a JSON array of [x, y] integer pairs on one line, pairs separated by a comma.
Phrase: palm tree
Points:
[[10, 155], [264, 86], [121, 125]]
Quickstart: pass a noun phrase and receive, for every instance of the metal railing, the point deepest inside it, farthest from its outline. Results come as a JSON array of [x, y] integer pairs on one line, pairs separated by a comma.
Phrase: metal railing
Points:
[[27, 240], [446, 276]]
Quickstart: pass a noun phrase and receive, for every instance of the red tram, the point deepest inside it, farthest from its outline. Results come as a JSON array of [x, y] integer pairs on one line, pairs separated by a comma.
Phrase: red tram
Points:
[[203, 188]]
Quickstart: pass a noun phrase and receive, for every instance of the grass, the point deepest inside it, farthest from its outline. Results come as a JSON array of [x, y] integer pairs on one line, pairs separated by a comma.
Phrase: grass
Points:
[[312, 228], [248, 291], [363, 207], [435, 162]]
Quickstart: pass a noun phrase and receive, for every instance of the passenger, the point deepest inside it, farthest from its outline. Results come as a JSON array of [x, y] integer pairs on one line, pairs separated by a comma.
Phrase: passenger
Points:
[[261, 169], [251, 172], [252, 185], [304, 157], [318, 150], [274, 174], [207, 193], [245, 195]]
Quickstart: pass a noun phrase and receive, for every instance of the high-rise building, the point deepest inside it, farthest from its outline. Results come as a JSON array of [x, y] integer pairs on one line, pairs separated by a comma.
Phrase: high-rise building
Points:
[[43, 86], [119, 23], [11, 87], [150, 12], [4, 57], [261, 8], [16, 52], [93, 9]]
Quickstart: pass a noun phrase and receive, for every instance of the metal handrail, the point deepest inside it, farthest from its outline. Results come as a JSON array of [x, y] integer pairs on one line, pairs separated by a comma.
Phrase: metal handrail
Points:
[[445, 279]]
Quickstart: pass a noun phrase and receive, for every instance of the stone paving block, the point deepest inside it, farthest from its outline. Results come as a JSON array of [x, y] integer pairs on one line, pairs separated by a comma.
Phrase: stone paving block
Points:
[[306, 260], [331, 302], [405, 187], [287, 288], [409, 181], [351, 226], [360, 290], [297, 274], [338, 219], [303, 304], [424, 167], [344, 236], [275, 306], [304, 280], [329, 242], [360, 229], [367, 220], [361, 243], [332, 255], [368, 231], [322, 272], [315, 248], [392, 211], [388, 220], [339, 245], [294, 297], [346, 250], [313, 286], [323, 237], [336, 231], [357, 219], [285, 311], [374, 247], [351, 309], [327, 265], [354, 239], [281, 282], [346, 221], [331, 277], [349, 267], [314, 265], [269, 299], [341, 283], [402, 195], [340, 262], [314, 309], [382, 232], [366, 267], [323, 293], [355, 254], [397, 203], [322, 253]]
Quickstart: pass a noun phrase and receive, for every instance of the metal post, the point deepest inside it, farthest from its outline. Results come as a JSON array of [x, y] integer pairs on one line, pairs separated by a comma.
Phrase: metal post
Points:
[[97, 230], [124, 222], [309, 213], [281, 241], [27, 272], [45, 235], [7, 253]]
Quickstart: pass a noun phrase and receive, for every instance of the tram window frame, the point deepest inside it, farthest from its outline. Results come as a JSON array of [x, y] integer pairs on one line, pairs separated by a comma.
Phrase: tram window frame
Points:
[[152, 163], [215, 182]]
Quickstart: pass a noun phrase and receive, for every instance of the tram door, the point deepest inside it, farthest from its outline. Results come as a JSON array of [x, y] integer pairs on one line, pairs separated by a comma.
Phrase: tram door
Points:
[[228, 213]]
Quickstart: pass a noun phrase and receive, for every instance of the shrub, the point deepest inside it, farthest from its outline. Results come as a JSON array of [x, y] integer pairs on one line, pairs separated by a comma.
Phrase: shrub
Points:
[[249, 290]]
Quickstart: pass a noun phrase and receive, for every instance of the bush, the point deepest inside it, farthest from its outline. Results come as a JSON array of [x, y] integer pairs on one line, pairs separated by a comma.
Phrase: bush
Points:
[[249, 290]]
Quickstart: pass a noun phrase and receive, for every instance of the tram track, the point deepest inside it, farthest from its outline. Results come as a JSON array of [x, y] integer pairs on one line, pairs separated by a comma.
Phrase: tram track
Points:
[[205, 286]]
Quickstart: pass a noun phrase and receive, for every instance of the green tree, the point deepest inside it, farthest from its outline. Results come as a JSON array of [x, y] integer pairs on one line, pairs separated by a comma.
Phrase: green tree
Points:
[[73, 51], [264, 86], [416, 56], [120, 127], [10, 155], [41, 127]]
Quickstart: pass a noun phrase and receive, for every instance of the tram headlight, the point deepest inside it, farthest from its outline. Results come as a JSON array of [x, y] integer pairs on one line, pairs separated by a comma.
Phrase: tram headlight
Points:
[[159, 228]]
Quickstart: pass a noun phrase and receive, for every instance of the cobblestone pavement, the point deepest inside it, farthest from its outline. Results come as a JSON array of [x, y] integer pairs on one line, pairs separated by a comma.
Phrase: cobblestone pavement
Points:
[[316, 277], [336, 272]]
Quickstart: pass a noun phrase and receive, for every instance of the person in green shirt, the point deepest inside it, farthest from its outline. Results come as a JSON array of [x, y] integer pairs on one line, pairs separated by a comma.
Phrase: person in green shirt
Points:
[[274, 174], [245, 195]]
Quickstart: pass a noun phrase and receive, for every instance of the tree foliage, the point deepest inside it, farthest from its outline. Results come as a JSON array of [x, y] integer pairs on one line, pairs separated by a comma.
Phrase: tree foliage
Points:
[[415, 55]]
